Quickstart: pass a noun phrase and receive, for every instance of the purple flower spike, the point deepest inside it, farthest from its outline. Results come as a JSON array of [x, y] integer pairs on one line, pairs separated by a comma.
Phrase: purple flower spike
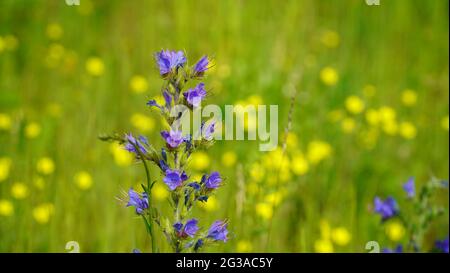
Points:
[[139, 201], [172, 138], [218, 231], [168, 60], [132, 142], [208, 131], [214, 180], [174, 178], [387, 209], [195, 95], [410, 188], [168, 99], [202, 65], [398, 249]]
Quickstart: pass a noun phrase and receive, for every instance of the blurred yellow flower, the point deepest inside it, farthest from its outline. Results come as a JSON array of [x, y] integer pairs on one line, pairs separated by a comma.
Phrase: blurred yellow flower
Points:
[[394, 230], [318, 151], [348, 125], [95, 66], [229, 159], [54, 31], [83, 180], [255, 100], [372, 117], [445, 123], [5, 122], [19, 190], [409, 97], [291, 141], [6, 208], [10, 42], [275, 198], [325, 229], [408, 130], [138, 84], [43, 212], [2, 44], [354, 104], [199, 161], [5, 166], [390, 127], [32, 130], [329, 76], [330, 39], [159, 100], [369, 91], [257, 172], [300, 165], [253, 188], [121, 156], [39, 182], [45, 165], [323, 246], [264, 210], [160, 192], [211, 205], [340, 236], [336, 115], [142, 122], [387, 114], [244, 246]]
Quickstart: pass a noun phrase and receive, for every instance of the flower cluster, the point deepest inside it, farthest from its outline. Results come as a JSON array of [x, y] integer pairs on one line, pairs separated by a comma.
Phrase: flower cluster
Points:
[[416, 226], [184, 234]]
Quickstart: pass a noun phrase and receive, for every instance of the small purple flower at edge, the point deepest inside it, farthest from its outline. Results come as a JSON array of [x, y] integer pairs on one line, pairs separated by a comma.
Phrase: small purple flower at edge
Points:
[[213, 181], [139, 201], [387, 208], [208, 131], [189, 229], [195, 95], [442, 245], [410, 188], [174, 178], [398, 249], [218, 231], [202, 65], [169, 59], [173, 138]]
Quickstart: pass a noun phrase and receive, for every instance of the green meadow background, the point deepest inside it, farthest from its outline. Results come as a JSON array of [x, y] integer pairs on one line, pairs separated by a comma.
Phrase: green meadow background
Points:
[[371, 111]]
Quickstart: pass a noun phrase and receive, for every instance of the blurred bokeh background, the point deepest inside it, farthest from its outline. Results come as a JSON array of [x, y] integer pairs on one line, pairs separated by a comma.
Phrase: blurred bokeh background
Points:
[[372, 111]]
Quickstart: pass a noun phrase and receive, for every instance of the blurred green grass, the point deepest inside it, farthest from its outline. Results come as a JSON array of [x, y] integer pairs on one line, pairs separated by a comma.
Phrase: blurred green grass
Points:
[[260, 49]]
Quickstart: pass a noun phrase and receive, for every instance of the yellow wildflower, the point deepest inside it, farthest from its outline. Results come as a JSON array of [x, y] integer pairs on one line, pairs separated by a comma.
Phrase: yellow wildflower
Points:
[[323, 246], [45, 166], [138, 84], [95, 66], [354, 104], [83, 180], [121, 156], [394, 231], [348, 125], [5, 122], [5, 166], [256, 172], [211, 205], [229, 159], [32, 130], [54, 31], [160, 192], [264, 210], [409, 97], [329, 76], [199, 161], [142, 122], [300, 165], [19, 190], [43, 212], [244, 246], [340, 236], [330, 39], [318, 151], [408, 130], [6, 208], [372, 117], [444, 123]]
